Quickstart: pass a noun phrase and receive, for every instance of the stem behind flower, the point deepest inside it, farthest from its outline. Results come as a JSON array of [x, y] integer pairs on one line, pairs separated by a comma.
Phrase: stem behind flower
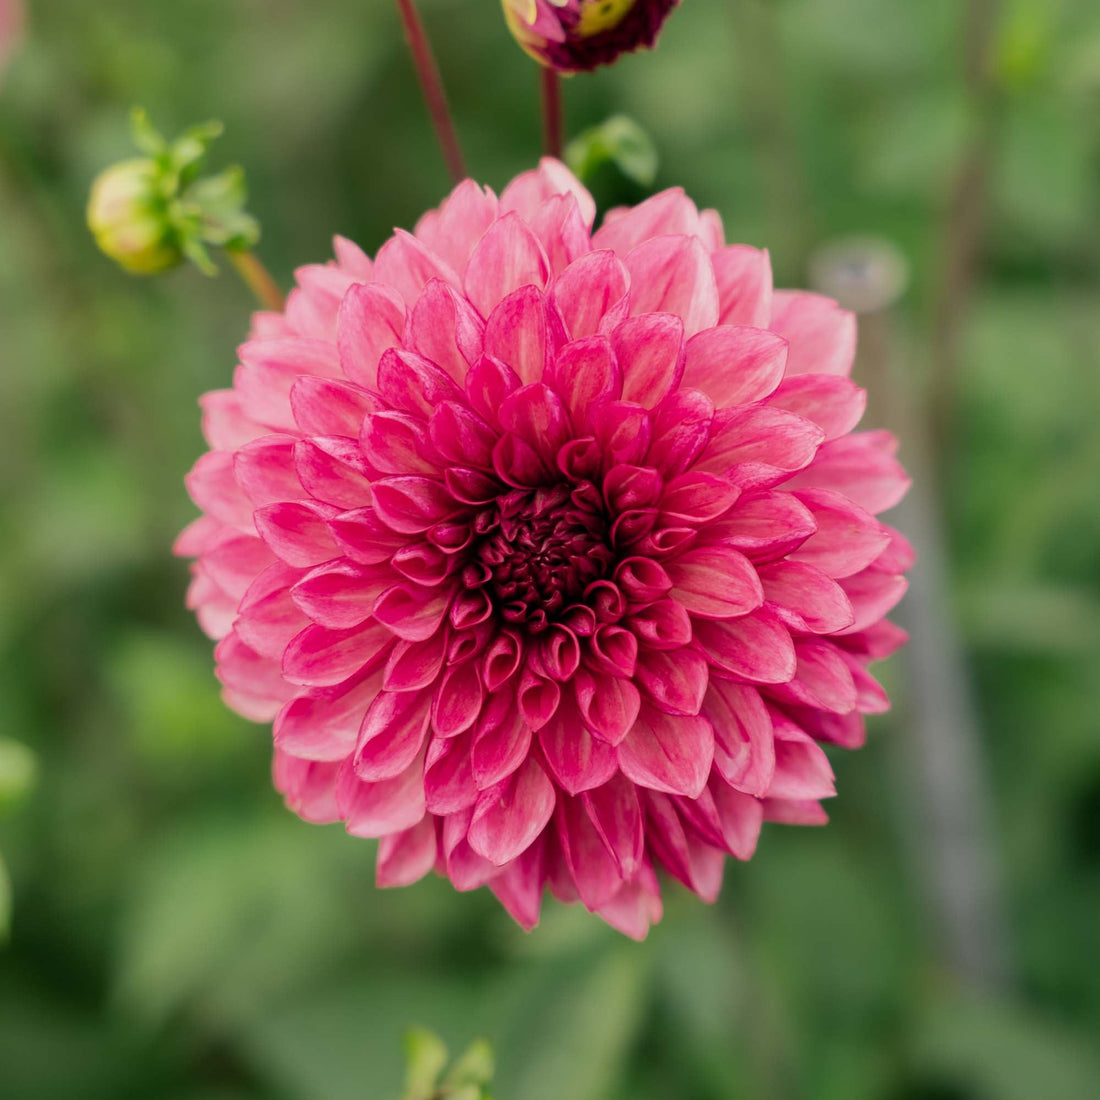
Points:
[[257, 278], [552, 118], [432, 85]]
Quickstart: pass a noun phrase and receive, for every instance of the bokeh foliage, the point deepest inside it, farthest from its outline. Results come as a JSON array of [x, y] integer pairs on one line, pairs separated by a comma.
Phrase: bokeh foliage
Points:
[[176, 933]]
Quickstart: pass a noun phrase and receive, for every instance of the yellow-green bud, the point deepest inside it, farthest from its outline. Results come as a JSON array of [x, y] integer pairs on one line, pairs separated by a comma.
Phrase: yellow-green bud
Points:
[[128, 216]]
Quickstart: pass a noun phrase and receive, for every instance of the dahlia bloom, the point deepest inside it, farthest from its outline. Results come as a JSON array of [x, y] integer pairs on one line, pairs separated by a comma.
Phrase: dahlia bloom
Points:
[[551, 553], [578, 35]]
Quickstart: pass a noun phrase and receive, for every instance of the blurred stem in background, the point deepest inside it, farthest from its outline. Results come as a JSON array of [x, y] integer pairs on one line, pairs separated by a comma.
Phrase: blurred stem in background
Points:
[[427, 70], [257, 278], [552, 118], [964, 226]]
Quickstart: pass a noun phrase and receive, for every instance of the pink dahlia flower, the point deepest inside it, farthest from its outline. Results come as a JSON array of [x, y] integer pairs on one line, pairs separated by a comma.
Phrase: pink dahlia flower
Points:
[[550, 553], [579, 35]]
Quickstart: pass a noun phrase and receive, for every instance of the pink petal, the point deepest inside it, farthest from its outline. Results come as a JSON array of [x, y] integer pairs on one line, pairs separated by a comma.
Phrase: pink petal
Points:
[[525, 332], [872, 595], [527, 192], [822, 336], [502, 740], [715, 582], [674, 681], [744, 751], [341, 594], [391, 736], [415, 665], [457, 700], [577, 760], [756, 647], [448, 776], [591, 865], [650, 353], [664, 624], [590, 292], [681, 428], [668, 212], [406, 857], [411, 505], [445, 329], [616, 813], [741, 816], [765, 526], [461, 436], [862, 467], [333, 471], [214, 489], [507, 257], [408, 382], [847, 539], [363, 537], [636, 906], [327, 406], [744, 278], [411, 612], [805, 598], [381, 809], [224, 425], [734, 365], [372, 320], [583, 373], [453, 230], [408, 265], [802, 770], [758, 446], [507, 818], [518, 887], [608, 705], [319, 657], [673, 274], [397, 443], [822, 679], [830, 401], [667, 753]]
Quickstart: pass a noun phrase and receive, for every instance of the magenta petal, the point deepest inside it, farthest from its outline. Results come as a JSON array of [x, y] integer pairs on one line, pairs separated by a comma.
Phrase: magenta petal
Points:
[[413, 666], [333, 471], [406, 857], [577, 760], [834, 403], [538, 699], [756, 647], [805, 598], [715, 582], [380, 809], [268, 618], [448, 775], [391, 736], [822, 336], [822, 679], [445, 329], [535, 414], [734, 365], [668, 753], [675, 681], [862, 467], [608, 705], [697, 498], [744, 752], [340, 594], [502, 660], [412, 612], [224, 424], [458, 700], [324, 723], [673, 274], [214, 489], [530, 190], [525, 332], [664, 624], [397, 443], [489, 382], [847, 539], [327, 406], [744, 278], [507, 818], [372, 320], [616, 813], [872, 594], [636, 906], [584, 372], [741, 816], [363, 537], [508, 257], [590, 291], [697, 865], [319, 657], [613, 650], [518, 886], [591, 864], [502, 740], [758, 446], [650, 353], [802, 770], [308, 787], [408, 265], [681, 429], [410, 383], [765, 526], [461, 436], [669, 211], [411, 505]]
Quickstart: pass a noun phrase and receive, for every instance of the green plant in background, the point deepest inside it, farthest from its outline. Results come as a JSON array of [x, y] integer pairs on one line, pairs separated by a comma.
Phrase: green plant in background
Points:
[[467, 1079], [18, 771]]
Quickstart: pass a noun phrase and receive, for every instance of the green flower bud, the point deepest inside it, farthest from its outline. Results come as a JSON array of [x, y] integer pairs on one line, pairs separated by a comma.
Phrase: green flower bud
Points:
[[129, 218], [153, 212]]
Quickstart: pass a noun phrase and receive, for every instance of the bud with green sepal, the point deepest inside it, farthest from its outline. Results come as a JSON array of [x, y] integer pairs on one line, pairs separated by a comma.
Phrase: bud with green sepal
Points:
[[150, 213], [467, 1079]]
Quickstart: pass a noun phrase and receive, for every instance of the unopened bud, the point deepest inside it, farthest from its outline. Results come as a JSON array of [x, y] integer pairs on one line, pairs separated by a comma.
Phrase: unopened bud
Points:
[[578, 35], [152, 212]]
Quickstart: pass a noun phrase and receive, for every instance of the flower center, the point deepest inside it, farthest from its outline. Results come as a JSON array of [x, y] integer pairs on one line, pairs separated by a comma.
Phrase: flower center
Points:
[[540, 550]]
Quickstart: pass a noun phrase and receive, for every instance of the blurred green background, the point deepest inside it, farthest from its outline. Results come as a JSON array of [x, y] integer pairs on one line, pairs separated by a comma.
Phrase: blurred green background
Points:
[[176, 934]]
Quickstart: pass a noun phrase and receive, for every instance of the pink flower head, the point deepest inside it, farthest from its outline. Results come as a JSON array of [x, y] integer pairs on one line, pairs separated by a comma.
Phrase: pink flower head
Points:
[[551, 553], [578, 35]]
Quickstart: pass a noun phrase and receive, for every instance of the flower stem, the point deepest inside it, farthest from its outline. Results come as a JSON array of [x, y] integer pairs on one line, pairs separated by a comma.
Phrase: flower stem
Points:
[[432, 86], [552, 121], [257, 278]]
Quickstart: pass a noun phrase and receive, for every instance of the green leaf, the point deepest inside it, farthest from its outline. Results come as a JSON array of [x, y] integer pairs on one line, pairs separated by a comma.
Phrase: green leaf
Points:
[[426, 1056], [18, 769], [619, 141], [473, 1069], [5, 901]]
